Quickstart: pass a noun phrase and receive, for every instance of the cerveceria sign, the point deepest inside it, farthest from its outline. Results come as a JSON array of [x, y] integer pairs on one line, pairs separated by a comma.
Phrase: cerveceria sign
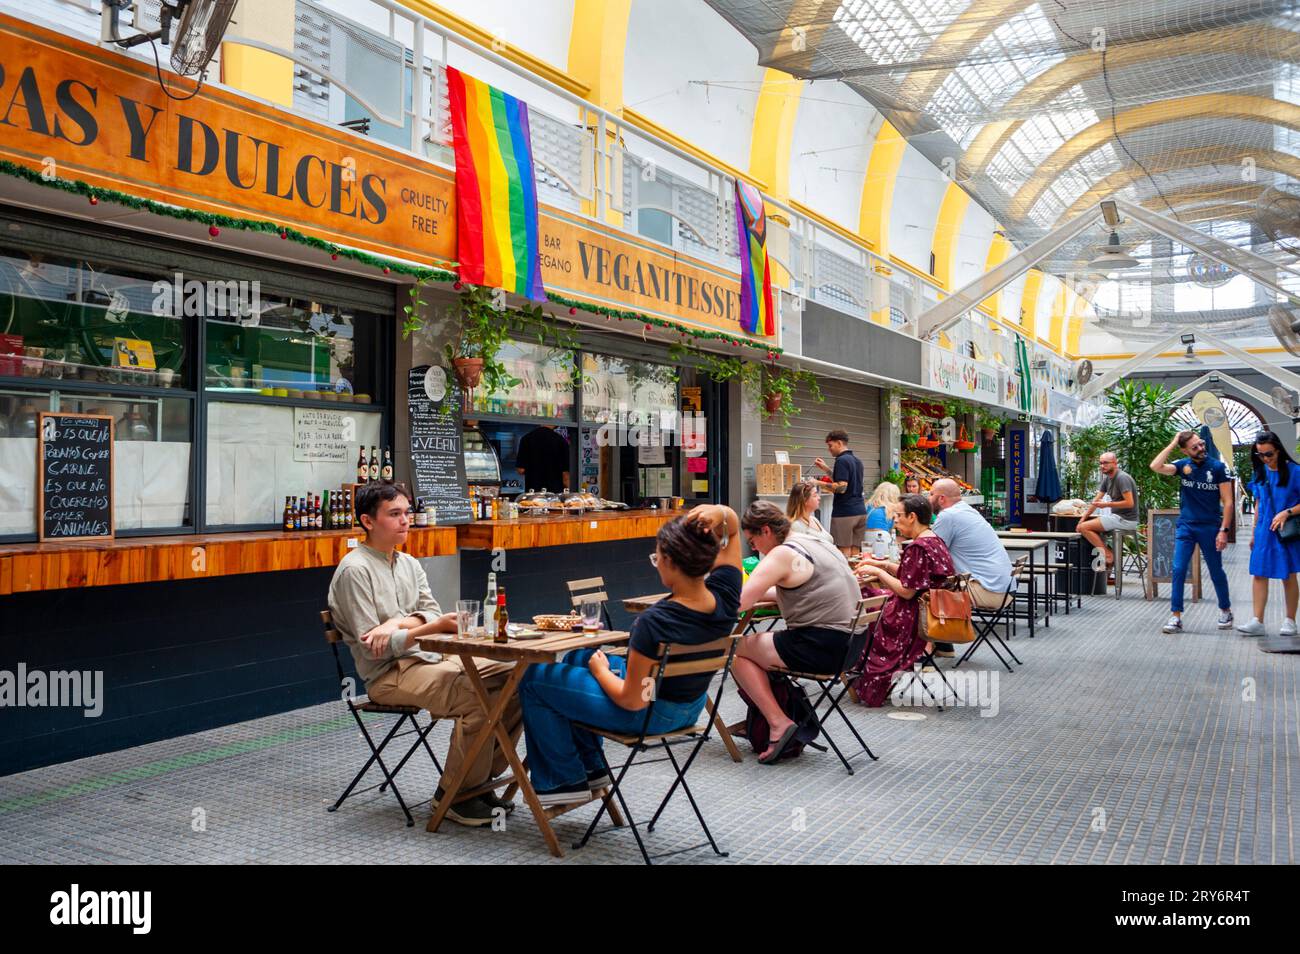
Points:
[[76, 111], [81, 112]]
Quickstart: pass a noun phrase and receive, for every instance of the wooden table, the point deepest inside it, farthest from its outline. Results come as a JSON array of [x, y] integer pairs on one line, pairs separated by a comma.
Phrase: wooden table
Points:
[[523, 653], [1073, 542]]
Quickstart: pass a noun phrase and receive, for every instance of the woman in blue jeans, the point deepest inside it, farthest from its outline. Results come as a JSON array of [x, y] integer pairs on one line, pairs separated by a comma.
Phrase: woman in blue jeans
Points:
[[698, 558]]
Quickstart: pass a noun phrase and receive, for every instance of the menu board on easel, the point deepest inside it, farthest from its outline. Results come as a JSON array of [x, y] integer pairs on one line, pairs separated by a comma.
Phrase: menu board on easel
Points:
[[74, 482], [1162, 529], [437, 452]]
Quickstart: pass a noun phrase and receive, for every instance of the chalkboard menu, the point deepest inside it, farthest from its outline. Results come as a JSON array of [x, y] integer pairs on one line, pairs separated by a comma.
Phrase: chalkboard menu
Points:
[[437, 458], [1162, 528], [75, 480]]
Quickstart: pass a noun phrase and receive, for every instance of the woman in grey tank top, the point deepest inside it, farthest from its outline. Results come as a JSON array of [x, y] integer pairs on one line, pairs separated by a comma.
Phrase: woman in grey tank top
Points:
[[818, 594]]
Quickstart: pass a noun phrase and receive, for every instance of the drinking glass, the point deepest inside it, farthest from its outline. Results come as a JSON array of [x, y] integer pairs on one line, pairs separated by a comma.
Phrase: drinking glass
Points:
[[466, 618], [590, 616]]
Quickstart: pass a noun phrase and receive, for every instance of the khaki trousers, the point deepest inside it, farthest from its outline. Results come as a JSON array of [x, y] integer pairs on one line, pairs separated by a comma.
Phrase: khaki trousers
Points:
[[985, 599], [445, 691]]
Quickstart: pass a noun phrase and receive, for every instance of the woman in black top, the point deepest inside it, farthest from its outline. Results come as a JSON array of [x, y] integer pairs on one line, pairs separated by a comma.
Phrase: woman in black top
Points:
[[698, 558]]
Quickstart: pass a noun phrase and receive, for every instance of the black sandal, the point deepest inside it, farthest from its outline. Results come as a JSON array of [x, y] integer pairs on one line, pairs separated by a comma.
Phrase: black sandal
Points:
[[781, 744]]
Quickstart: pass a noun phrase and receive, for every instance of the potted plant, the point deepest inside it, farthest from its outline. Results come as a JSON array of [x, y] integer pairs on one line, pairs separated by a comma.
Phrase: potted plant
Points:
[[988, 423], [778, 390], [479, 337]]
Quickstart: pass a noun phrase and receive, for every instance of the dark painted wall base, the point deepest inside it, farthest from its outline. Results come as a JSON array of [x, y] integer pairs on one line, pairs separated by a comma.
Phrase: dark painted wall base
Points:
[[182, 657]]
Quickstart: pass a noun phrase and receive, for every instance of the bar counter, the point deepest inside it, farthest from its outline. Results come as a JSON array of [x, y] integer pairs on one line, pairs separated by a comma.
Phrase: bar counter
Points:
[[562, 529], [52, 565]]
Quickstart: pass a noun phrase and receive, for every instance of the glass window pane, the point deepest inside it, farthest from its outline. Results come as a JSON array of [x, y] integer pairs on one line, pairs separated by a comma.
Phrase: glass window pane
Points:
[[64, 319], [253, 463], [293, 345], [151, 457], [623, 390], [545, 386]]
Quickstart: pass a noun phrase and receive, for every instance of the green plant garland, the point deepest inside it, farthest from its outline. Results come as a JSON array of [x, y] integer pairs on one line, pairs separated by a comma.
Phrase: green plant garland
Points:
[[423, 274]]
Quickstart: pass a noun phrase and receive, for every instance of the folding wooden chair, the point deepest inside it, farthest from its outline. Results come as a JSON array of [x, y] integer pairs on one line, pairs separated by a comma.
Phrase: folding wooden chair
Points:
[[864, 619], [359, 704], [592, 588], [988, 620], [718, 660]]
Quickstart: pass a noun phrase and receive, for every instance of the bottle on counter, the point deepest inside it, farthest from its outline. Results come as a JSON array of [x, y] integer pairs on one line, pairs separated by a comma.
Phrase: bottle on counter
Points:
[[363, 469], [432, 514], [329, 513], [502, 621], [490, 599], [386, 471], [473, 502], [373, 470], [317, 521], [421, 517], [297, 513], [287, 518]]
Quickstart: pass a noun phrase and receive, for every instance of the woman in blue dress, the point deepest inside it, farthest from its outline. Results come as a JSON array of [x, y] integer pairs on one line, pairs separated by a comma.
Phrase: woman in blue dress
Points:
[[1276, 489]]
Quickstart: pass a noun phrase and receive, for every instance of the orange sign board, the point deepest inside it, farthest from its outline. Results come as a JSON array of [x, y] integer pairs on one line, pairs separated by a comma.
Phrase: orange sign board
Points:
[[77, 111]]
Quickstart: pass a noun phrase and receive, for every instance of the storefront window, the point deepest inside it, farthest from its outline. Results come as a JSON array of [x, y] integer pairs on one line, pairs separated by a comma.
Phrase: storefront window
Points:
[[151, 456], [68, 320], [545, 386], [620, 390], [293, 348], [258, 454]]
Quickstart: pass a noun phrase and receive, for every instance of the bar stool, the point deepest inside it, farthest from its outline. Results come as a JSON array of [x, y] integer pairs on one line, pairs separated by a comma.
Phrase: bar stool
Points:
[[1136, 561]]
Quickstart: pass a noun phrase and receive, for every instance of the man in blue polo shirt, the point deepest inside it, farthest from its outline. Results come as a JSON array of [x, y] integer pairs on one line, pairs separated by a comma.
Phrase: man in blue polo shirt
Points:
[[1204, 519]]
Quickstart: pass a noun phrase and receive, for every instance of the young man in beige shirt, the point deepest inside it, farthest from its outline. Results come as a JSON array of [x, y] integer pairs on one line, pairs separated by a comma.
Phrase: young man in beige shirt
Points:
[[380, 600]]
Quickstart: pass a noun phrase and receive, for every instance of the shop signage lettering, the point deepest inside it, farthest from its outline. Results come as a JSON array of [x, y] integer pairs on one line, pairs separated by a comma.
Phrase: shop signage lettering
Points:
[[100, 116], [1016, 475], [961, 376], [75, 480]]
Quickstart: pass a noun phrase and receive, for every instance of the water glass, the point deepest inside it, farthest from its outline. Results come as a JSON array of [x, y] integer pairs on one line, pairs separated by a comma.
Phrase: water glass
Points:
[[466, 618], [590, 616]]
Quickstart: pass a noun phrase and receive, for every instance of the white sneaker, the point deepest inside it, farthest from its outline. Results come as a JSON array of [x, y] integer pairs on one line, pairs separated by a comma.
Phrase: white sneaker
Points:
[[1175, 625], [1253, 628], [1288, 627], [1225, 619]]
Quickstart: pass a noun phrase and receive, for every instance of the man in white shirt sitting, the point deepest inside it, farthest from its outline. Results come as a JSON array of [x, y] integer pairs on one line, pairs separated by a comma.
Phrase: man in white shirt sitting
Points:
[[973, 543]]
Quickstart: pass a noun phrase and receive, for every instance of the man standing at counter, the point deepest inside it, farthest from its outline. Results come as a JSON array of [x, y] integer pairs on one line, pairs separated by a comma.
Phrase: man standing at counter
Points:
[[380, 600], [543, 460], [848, 509]]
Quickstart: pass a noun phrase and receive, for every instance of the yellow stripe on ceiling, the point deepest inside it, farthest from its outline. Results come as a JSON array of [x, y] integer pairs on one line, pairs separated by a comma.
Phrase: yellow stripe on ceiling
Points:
[[999, 249], [597, 51], [772, 135], [878, 187], [1060, 303], [1029, 302], [1206, 105], [947, 230]]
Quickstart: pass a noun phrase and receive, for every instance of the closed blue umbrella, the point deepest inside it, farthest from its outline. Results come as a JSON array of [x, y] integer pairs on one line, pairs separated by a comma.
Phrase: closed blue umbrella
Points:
[[1048, 487]]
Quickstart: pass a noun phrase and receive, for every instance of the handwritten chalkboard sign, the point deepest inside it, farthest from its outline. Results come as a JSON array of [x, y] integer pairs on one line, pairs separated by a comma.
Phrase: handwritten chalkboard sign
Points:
[[437, 455], [75, 479], [1162, 528]]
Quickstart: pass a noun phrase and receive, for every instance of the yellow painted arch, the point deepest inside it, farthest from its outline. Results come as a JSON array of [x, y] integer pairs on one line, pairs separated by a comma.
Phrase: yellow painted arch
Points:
[[772, 134], [1271, 160], [1207, 105], [1056, 329], [1279, 43], [1029, 302], [947, 230], [999, 249], [957, 41], [878, 187]]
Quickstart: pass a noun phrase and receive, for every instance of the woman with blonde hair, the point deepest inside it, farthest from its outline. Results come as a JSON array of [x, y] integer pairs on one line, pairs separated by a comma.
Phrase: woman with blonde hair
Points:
[[880, 506], [805, 500]]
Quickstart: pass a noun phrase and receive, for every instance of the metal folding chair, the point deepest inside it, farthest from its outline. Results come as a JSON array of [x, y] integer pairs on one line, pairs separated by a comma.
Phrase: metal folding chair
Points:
[[862, 633], [359, 704], [960, 582], [711, 657], [988, 620]]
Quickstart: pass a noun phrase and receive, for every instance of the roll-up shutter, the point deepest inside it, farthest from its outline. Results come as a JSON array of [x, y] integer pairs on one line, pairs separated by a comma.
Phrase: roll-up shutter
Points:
[[850, 407]]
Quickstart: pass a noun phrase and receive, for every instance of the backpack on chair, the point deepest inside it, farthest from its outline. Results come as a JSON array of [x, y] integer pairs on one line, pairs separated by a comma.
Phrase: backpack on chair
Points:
[[793, 700]]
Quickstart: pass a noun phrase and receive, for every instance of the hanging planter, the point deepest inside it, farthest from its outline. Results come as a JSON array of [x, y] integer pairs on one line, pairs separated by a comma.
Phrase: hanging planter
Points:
[[469, 372], [772, 402], [928, 441], [964, 443]]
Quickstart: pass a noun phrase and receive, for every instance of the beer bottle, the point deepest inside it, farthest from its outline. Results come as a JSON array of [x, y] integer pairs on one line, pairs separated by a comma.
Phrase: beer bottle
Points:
[[386, 472], [329, 509], [374, 462], [287, 518], [347, 510], [316, 521], [502, 621], [363, 469], [297, 513]]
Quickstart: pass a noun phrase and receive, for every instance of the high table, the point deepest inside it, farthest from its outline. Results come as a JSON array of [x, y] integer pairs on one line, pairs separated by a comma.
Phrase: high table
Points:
[[523, 653], [1031, 547], [1074, 550]]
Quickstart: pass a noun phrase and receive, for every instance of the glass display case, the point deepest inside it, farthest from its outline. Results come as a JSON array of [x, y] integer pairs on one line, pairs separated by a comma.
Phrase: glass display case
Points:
[[482, 466]]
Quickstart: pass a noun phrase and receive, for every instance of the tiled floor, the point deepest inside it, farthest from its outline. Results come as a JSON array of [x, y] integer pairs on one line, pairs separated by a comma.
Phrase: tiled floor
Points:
[[1113, 744]]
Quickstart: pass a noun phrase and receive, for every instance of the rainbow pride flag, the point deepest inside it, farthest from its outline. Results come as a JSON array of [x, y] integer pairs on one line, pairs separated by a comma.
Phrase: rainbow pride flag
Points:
[[757, 317], [497, 238]]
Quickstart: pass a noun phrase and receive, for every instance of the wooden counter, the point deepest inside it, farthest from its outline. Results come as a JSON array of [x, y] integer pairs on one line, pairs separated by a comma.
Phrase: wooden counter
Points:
[[561, 529], [29, 567]]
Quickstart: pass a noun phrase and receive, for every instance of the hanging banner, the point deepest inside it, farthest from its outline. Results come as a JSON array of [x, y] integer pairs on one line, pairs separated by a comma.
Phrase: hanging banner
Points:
[[1016, 475], [757, 316], [951, 373]]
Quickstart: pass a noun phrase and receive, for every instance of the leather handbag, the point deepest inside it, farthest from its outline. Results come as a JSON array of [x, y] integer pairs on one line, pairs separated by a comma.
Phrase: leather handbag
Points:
[[946, 616], [1289, 532]]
